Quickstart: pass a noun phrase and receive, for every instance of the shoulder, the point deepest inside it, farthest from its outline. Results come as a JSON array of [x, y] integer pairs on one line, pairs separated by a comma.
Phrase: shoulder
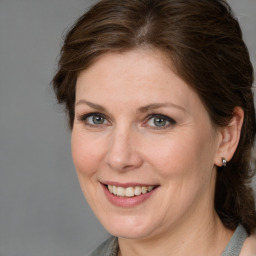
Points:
[[249, 247], [107, 248]]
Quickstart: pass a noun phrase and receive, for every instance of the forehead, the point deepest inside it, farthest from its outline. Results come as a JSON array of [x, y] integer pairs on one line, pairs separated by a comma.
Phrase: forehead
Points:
[[126, 60], [139, 75]]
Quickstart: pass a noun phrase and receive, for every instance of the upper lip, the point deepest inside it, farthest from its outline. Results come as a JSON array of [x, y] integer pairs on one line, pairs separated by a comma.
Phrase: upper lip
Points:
[[127, 184]]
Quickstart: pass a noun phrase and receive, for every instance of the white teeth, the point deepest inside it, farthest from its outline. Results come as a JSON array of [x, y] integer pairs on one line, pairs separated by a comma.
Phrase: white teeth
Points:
[[130, 191], [114, 190], [120, 191], [137, 191], [150, 188], [144, 190], [110, 188]]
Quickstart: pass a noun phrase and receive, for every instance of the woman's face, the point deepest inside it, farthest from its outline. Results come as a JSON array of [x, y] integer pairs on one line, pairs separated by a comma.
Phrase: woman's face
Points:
[[140, 130]]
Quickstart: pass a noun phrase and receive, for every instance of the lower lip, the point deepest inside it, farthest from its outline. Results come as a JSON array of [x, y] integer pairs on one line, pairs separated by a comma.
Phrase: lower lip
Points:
[[127, 201]]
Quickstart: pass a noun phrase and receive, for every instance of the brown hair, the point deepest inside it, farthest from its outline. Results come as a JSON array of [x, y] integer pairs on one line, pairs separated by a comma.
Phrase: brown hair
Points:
[[204, 42]]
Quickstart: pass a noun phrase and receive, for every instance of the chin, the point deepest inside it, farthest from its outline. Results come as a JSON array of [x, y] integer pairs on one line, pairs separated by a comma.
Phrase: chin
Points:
[[129, 233], [129, 228]]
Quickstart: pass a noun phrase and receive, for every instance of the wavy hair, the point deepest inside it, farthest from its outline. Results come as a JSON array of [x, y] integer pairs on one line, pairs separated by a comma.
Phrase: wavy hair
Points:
[[204, 41]]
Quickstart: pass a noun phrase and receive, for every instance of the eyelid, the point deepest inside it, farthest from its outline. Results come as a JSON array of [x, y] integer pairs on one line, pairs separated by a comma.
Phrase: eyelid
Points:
[[167, 118], [84, 117]]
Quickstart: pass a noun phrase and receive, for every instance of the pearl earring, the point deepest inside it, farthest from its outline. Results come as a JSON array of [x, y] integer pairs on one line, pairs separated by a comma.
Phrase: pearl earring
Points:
[[224, 162]]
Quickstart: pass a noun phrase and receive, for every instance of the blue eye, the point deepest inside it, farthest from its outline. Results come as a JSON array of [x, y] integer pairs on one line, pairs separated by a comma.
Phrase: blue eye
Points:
[[94, 119], [160, 121]]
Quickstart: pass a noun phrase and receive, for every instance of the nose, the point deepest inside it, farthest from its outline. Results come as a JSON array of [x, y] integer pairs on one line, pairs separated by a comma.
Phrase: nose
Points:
[[123, 153]]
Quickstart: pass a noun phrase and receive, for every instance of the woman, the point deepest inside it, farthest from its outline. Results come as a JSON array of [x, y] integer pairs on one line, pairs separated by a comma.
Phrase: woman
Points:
[[158, 94]]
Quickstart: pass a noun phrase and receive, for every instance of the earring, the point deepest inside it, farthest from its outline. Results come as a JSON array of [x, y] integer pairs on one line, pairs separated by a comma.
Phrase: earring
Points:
[[224, 162]]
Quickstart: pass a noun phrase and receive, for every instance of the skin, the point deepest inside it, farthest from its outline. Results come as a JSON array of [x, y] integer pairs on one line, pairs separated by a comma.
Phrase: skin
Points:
[[249, 247], [180, 155]]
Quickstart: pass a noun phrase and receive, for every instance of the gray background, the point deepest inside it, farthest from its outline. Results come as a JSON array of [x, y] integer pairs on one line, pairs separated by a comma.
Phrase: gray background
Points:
[[42, 210]]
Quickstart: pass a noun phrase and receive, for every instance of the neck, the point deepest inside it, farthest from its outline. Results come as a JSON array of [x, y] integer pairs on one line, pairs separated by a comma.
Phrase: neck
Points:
[[205, 236]]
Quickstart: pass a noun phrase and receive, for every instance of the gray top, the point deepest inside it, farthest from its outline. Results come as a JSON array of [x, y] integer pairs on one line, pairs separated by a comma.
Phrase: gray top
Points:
[[236, 242], [110, 247]]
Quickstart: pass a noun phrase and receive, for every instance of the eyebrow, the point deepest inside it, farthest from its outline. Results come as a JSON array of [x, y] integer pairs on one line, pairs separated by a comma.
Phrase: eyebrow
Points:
[[154, 106], [142, 109], [90, 104]]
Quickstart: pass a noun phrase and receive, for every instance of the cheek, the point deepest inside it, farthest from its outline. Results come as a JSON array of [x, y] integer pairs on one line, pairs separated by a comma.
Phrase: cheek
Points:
[[85, 154], [181, 155]]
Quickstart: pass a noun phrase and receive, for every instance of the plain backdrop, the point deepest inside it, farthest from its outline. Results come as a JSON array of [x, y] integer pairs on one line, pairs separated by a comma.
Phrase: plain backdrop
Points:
[[42, 210]]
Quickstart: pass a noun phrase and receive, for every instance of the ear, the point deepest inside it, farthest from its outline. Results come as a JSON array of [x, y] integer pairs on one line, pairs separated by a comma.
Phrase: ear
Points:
[[229, 137]]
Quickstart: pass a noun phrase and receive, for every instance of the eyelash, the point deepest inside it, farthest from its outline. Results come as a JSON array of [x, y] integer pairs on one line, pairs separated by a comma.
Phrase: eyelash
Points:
[[84, 118], [170, 121]]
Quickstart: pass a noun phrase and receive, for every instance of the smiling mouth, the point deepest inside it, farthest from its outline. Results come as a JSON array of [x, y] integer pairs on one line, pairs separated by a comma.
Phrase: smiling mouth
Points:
[[129, 191]]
